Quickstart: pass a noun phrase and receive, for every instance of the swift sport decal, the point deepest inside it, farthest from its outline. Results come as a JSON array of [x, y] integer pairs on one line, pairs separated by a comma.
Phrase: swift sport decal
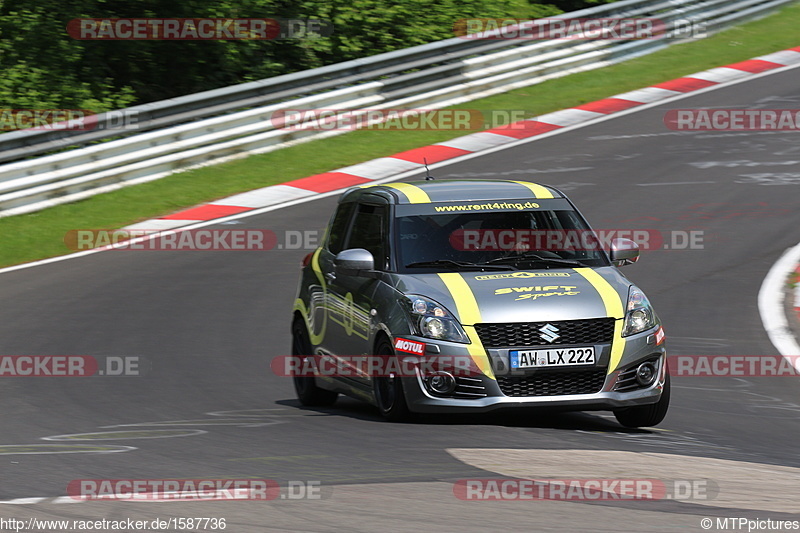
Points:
[[539, 291]]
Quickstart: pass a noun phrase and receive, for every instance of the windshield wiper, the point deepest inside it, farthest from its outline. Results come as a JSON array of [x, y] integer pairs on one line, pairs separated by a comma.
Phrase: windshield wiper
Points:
[[458, 264], [532, 256]]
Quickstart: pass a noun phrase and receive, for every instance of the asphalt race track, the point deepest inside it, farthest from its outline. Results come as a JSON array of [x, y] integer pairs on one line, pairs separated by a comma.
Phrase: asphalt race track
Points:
[[205, 326]]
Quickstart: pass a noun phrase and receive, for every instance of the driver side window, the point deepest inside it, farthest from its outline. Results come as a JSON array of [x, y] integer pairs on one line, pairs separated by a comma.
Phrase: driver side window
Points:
[[370, 231], [338, 228]]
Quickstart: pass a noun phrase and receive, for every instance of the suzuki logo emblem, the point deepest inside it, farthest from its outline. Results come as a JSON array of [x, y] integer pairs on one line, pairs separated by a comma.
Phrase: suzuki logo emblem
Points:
[[549, 332]]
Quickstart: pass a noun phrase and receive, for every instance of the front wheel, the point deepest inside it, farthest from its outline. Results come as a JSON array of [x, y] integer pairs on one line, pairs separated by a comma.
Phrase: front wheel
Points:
[[389, 394], [646, 415], [306, 388]]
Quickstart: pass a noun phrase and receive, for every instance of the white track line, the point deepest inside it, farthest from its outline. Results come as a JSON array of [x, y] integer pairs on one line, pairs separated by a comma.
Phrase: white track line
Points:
[[770, 303]]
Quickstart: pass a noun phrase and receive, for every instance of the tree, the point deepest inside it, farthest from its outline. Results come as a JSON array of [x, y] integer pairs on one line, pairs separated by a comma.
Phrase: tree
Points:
[[43, 67]]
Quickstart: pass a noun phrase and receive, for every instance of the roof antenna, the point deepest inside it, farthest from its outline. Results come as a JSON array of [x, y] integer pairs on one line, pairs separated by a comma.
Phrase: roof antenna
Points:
[[428, 176]]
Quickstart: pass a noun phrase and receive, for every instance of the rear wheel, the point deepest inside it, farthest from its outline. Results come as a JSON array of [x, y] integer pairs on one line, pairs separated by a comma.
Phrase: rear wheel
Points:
[[389, 393], [306, 388], [646, 415]]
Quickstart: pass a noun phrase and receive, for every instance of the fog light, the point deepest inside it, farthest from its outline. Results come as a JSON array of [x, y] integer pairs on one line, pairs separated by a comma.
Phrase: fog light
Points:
[[646, 374], [442, 383]]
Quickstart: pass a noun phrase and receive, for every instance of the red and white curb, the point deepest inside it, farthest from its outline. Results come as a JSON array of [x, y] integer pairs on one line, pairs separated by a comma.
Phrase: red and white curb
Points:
[[385, 167]]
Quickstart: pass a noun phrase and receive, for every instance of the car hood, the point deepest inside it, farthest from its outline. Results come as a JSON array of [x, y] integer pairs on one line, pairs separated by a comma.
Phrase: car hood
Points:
[[525, 295]]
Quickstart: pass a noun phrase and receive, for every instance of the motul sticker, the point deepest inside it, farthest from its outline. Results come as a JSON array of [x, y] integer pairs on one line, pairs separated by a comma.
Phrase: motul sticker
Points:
[[403, 345]]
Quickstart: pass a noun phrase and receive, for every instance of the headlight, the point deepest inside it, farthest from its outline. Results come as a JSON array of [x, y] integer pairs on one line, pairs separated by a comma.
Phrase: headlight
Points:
[[433, 320], [639, 315]]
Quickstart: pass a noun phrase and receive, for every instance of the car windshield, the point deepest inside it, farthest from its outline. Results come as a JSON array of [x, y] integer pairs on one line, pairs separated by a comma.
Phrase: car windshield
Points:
[[516, 239]]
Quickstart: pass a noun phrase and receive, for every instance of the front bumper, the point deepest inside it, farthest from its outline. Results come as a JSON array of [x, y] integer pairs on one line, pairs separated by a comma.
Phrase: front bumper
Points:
[[419, 401], [488, 395]]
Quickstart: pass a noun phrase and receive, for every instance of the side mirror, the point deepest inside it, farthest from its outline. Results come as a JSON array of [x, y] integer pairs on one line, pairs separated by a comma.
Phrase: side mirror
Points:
[[353, 262], [624, 252]]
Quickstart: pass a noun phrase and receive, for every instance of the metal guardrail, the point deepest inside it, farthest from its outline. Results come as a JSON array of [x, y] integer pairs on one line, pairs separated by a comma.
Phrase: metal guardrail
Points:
[[234, 121]]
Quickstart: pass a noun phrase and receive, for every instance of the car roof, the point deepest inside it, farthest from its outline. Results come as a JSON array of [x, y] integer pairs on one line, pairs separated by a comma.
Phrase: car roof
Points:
[[434, 191]]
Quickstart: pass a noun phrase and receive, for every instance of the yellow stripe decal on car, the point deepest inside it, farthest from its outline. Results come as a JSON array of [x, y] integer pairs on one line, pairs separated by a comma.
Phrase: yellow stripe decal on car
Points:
[[469, 314], [614, 308], [316, 338], [538, 191], [611, 299], [414, 194]]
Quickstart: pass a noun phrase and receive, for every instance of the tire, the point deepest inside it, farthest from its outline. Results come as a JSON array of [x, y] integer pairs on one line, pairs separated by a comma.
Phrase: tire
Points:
[[389, 394], [306, 388], [646, 415]]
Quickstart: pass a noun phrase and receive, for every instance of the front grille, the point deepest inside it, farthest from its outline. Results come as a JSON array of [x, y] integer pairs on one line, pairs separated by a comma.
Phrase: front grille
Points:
[[469, 388], [548, 383], [592, 331]]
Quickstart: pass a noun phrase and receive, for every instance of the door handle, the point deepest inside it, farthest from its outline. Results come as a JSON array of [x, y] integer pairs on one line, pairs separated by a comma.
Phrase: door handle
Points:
[[330, 276]]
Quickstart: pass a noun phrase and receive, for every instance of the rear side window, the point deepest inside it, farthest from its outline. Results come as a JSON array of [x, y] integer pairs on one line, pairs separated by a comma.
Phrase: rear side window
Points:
[[370, 232], [339, 226]]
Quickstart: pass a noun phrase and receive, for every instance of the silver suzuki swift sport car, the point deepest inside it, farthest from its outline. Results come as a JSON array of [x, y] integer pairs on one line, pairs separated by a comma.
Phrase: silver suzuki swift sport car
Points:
[[468, 296]]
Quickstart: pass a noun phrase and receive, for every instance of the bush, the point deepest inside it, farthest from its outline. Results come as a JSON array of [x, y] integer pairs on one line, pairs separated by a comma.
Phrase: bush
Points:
[[45, 68]]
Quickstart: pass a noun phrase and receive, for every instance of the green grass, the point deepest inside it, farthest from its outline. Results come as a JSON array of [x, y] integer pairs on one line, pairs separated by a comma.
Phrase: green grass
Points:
[[40, 235]]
